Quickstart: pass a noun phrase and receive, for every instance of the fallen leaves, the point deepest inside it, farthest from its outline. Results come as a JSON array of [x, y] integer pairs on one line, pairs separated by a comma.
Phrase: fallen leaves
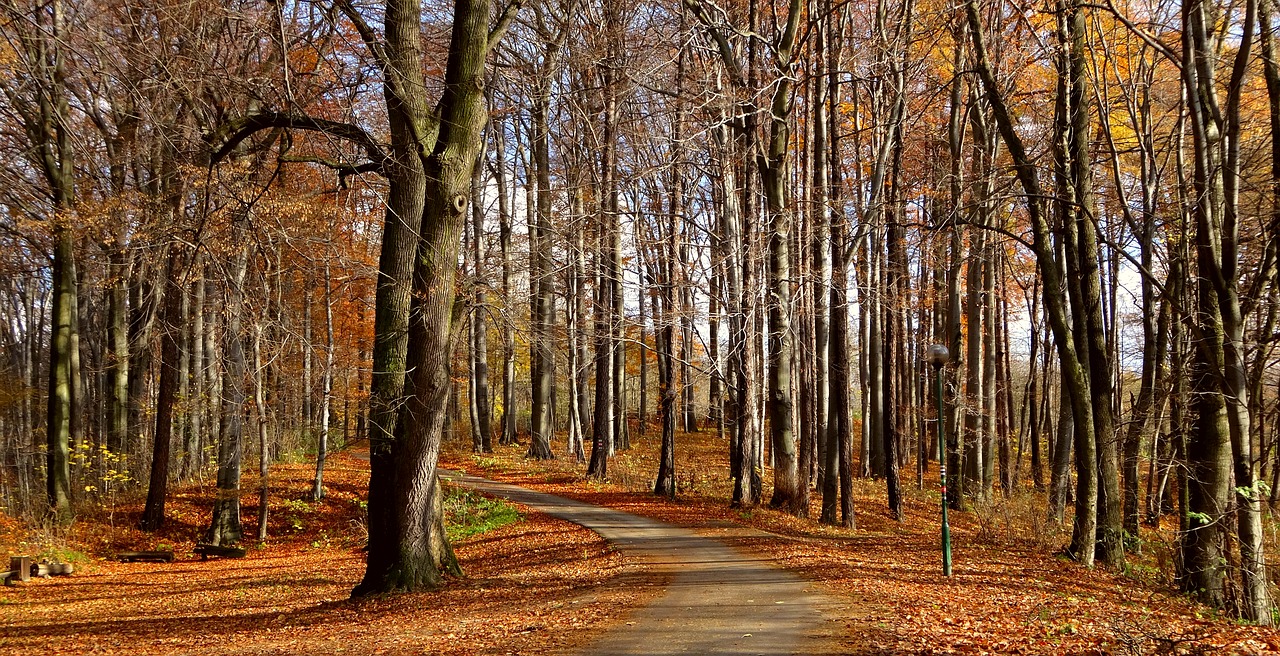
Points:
[[1010, 592], [539, 585]]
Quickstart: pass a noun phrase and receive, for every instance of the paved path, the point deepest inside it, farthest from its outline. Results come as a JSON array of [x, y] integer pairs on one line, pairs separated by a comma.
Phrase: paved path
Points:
[[719, 600]]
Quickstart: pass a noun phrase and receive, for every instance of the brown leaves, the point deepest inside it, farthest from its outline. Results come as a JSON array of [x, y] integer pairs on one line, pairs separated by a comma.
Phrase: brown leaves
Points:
[[1010, 592], [531, 587]]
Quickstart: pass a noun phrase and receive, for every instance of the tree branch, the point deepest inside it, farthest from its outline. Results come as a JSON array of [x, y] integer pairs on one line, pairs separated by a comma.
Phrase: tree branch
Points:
[[504, 21], [722, 43], [343, 169], [230, 134]]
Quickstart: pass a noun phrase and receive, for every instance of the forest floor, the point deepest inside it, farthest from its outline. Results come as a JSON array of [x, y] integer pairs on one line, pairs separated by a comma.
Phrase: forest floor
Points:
[[542, 585], [1011, 592], [534, 586], [716, 599]]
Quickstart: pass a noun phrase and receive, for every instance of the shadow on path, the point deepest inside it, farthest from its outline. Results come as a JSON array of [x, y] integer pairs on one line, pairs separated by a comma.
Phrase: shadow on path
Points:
[[718, 600]]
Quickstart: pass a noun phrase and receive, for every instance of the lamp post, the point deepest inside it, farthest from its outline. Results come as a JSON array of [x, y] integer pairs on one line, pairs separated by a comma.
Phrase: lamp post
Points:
[[937, 356]]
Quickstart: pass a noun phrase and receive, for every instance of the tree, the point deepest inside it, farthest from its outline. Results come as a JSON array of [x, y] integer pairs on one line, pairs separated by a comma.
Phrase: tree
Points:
[[1219, 446], [1055, 300], [40, 97], [407, 545]]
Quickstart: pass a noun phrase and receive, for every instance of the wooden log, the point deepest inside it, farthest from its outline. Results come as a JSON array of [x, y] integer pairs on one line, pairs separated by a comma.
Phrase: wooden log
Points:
[[206, 550], [157, 556], [46, 569]]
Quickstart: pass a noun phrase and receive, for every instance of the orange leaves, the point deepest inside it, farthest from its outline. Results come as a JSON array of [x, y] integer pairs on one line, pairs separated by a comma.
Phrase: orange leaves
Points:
[[1009, 594], [532, 587]]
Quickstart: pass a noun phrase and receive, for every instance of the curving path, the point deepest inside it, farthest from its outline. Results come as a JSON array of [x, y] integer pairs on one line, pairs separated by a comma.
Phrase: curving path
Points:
[[718, 600]]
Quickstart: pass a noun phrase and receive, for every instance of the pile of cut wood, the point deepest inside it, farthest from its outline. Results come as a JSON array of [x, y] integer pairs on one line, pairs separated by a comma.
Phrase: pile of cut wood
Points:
[[22, 568]]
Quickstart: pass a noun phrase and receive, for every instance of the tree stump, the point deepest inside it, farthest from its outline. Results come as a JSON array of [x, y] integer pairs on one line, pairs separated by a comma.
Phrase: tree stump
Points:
[[19, 569]]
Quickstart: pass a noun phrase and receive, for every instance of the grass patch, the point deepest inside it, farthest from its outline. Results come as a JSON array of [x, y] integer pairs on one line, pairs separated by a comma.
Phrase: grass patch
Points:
[[468, 513], [63, 554]]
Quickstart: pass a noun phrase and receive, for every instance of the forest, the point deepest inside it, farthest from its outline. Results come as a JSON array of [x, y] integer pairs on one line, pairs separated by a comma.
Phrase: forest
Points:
[[236, 235]]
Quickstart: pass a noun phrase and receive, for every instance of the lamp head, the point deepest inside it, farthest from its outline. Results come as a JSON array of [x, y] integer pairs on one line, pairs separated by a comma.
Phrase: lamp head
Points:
[[937, 355]]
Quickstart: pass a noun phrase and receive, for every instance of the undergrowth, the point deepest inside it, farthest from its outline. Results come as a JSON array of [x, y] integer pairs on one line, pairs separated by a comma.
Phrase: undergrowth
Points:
[[468, 513]]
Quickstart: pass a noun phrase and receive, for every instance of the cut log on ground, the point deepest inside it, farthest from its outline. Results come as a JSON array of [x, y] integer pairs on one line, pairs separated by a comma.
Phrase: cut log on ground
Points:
[[158, 556], [206, 550], [45, 570]]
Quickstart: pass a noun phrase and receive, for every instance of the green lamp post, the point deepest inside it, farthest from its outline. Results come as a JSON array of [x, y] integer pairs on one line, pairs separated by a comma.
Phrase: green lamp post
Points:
[[937, 356]]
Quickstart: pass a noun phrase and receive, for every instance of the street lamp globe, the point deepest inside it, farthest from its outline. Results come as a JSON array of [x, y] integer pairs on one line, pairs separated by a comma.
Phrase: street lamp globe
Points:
[[937, 355]]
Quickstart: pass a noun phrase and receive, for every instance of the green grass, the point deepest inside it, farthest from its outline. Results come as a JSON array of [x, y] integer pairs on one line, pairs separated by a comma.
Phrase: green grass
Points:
[[56, 554], [468, 513]]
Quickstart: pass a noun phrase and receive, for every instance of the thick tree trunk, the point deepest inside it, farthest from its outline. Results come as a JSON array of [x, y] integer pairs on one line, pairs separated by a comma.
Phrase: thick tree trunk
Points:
[[786, 474], [407, 109], [1219, 400], [1053, 289], [408, 549], [1095, 353], [61, 374], [47, 122]]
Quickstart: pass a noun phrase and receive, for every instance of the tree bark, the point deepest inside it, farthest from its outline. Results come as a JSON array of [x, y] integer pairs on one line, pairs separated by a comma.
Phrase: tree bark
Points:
[[1085, 523], [408, 549], [326, 389], [158, 484], [225, 529]]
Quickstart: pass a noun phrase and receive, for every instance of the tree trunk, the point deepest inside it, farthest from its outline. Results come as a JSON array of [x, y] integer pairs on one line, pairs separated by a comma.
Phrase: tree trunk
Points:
[[541, 352], [408, 549], [1220, 401], [326, 389], [158, 485], [665, 318], [117, 374], [482, 405], [1053, 286], [821, 249], [786, 474], [507, 425], [198, 401], [225, 527], [264, 449]]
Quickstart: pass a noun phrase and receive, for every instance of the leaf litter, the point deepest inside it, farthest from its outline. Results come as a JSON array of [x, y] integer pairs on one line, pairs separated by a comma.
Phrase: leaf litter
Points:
[[1012, 591], [540, 585]]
